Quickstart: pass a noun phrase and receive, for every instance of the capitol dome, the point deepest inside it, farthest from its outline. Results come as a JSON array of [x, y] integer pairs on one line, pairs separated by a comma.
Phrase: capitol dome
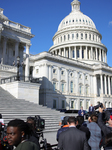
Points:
[[77, 38], [76, 18]]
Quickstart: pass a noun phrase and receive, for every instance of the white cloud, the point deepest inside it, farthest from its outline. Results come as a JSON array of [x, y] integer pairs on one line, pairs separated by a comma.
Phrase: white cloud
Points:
[[110, 23]]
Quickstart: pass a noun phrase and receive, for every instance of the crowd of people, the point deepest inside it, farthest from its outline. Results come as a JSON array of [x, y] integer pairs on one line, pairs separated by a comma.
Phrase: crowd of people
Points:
[[74, 134], [93, 134]]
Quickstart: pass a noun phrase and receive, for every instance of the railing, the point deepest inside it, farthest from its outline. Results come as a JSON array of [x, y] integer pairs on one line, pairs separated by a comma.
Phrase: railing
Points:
[[8, 68], [21, 78], [17, 26]]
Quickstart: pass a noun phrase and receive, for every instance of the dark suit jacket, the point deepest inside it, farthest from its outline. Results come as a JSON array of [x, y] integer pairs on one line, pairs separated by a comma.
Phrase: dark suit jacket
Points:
[[80, 111], [90, 109], [84, 129], [73, 139]]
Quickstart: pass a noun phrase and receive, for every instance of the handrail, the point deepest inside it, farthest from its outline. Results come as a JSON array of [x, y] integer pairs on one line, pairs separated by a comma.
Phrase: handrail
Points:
[[21, 78]]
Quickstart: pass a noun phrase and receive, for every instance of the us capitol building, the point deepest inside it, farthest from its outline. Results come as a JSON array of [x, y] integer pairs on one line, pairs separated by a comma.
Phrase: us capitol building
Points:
[[74, 71]]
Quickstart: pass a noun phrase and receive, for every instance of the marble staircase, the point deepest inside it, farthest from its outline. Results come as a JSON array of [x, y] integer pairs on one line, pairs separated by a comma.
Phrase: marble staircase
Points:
[[12, 108]]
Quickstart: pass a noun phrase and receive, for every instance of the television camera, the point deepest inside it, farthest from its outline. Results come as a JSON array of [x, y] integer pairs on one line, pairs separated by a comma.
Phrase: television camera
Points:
[[106, 114]]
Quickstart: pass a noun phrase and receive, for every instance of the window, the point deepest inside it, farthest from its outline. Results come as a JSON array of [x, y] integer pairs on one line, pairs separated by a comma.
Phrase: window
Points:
[[72, 104], [80, 89], [82, 53], [80, 76], [90, 36], [73, 54], [72, 36], [64, 37], [93, 37], [63, 104], [86, 90], [13, 53], [68, 37], [86, 36], [54, 103], [54, 71], [54, 85], [71, 87], [62, 72], [80, 103], [61, 38], [77, 53], [86, 77], [37, 71], [71, 74], [62, 87], [77, 36], [81, 35]]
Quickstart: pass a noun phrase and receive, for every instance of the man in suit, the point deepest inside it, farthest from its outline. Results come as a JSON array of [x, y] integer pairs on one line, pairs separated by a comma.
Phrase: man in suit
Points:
[[91, 109], [81, 112], [72, 138]]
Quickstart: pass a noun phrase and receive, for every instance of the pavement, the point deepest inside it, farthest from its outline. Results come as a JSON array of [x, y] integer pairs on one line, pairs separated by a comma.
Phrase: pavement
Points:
[[51, 137]]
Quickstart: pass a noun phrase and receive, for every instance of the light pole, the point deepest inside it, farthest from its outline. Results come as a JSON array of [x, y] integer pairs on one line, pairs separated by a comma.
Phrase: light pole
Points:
[[18, 64]]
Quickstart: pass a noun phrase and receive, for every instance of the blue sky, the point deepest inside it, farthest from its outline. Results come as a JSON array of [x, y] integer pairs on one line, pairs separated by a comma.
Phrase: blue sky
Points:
[[44, 16]]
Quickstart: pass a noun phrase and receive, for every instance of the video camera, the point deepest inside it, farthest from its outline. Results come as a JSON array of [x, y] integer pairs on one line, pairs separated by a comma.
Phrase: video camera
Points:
[[99, 105], [39, 123], [106, 114]]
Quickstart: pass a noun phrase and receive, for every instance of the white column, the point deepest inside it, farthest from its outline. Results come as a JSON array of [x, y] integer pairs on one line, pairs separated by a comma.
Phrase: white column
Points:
[[27, 60], [91, 53], [101, 84], [75, 52], [59, 78], [4, 49], [67, 79], [69, 52], [86, 52], [100, 54], [96, 54], [105, 57], [60, 51], [16, 50], [95, 85], [64, 52], [105, 84], [50, 76], [109, 84], [80, 52]]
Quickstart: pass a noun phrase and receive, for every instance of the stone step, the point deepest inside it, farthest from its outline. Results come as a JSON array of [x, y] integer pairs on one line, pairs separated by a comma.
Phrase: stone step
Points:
[[12, 108]]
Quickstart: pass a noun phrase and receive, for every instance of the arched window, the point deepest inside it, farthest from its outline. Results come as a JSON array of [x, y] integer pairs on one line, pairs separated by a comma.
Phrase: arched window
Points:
[[77, 35], [86, 36]]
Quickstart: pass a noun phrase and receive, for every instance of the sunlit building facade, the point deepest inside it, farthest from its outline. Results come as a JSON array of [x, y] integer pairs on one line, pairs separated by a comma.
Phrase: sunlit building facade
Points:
[[74, 71]]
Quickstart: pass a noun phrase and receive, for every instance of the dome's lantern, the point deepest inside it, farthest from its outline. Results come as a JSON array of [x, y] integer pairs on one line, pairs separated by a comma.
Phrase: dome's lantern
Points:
[[75, 5]]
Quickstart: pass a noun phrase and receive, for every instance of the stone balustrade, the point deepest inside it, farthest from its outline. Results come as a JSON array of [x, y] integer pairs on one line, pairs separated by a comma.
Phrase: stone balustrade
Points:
[[7, 68], [17, 26]]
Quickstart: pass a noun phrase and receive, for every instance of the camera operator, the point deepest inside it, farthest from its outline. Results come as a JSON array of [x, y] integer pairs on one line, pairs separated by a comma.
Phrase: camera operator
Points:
[[63, 127], [34, 136], [105, 129]]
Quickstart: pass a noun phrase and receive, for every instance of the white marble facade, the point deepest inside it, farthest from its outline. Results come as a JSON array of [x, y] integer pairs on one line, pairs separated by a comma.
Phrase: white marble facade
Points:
[[74, 71]]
